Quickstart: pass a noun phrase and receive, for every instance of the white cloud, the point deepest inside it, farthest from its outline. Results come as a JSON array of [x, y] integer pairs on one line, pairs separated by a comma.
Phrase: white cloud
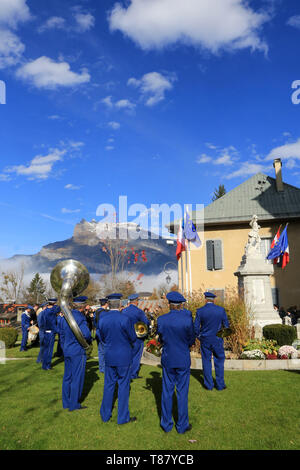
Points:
[[72, 187], [225, 159], [55, 22], [210, 24], [125, 104], [286, 151], [153, 86], [39, 168], [69, 211], [294, 21], [109, 147], [114, 125], [248, 169], [107, 101], [46, 73], [11, 48], [85, 21], [13, 12], [204, 158]]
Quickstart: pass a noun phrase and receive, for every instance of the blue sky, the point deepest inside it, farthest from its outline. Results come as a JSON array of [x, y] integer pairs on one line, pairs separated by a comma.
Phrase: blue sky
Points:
[[159, 100]]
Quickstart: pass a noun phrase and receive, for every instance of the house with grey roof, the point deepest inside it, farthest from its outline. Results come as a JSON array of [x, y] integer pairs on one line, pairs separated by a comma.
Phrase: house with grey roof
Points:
[[225, 234]]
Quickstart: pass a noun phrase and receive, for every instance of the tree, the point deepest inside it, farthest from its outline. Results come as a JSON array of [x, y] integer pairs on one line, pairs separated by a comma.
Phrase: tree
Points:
[[219, 192], [12, 285], [36, 292]]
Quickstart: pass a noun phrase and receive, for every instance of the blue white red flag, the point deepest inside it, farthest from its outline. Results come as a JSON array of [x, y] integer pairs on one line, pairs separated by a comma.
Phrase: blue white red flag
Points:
[[281, 249], [180, 241], [190, 232]]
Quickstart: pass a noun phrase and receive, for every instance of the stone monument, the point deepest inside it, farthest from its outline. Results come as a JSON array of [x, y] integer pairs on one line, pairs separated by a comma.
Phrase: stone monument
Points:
[[254, 281]]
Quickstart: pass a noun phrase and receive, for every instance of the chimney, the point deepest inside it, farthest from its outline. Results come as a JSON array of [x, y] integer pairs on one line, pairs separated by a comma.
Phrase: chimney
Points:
[[277, 164]]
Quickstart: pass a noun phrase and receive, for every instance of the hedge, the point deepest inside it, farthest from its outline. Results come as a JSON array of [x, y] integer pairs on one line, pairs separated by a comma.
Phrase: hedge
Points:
[[9, 336], [283, 334]]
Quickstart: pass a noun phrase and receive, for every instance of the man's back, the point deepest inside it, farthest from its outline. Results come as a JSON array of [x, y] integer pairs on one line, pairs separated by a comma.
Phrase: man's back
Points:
[[210, 319], [72, 347], [135, 314], [176, 332], [118, 335]]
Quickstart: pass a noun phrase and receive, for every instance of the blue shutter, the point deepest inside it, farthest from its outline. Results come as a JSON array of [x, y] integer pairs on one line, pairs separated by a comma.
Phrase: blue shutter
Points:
[[210, 255], [218, 254]]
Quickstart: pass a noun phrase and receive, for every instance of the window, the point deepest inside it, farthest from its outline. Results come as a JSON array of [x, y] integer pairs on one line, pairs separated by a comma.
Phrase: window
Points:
[[214, 255], [265, 247]]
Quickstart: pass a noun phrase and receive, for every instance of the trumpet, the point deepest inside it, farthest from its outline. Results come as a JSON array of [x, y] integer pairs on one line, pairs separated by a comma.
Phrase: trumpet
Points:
[[141, 329], [69, 278]]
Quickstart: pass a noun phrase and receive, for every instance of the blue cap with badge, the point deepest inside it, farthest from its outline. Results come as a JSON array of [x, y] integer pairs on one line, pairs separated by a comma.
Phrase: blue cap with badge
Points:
[[133, 296], [114, 296], [209, 295], [175, 297]]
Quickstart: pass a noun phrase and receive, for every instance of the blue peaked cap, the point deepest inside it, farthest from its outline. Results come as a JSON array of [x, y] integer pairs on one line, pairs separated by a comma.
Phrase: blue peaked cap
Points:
[[80, 300], [51, 300], [209, 295], [133, 296], [114, 296], [175, 297]]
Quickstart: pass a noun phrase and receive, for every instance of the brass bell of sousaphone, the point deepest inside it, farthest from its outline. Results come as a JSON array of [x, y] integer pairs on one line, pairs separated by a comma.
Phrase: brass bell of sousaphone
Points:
[[141, 329], [69, 278]]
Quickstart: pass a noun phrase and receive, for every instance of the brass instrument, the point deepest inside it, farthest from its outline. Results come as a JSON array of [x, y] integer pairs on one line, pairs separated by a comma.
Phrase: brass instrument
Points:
[[141, 329], [224, 332], [69, 278], [33, 331]]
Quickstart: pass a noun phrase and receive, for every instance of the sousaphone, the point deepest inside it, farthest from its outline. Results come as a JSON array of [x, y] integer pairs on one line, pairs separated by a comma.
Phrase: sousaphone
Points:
[[69, 278]]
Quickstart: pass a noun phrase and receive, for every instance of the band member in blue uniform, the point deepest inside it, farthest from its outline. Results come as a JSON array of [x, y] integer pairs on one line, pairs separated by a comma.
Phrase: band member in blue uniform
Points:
[[176, 333], [209, 320], [117, 333], [60, 341], [98, 313], [26, 322], [136, 315], [75, 357], [41, 325], [50, 327]]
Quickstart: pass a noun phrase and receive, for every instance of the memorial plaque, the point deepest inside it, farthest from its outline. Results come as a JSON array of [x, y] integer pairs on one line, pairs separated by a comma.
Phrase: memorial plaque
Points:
[[258, 292]]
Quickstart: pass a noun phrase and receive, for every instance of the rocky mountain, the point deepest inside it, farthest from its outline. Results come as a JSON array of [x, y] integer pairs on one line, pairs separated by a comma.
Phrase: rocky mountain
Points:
[[86, 246]]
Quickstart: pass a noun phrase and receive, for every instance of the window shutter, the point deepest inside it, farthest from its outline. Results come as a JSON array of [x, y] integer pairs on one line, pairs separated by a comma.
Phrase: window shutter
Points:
[[218, 254], [210, 255], [275, 295]]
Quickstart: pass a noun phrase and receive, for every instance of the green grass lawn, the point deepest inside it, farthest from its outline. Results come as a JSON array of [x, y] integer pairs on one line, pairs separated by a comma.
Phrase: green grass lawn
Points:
[[258, 410]]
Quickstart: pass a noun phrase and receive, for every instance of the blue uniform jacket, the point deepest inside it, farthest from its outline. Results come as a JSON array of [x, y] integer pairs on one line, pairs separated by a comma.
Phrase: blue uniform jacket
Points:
[[209, 320], [98, 314], [49, 318], [41, 320], [71, 345], [135, 314], [176, 332], [118, 335], [25, 321]]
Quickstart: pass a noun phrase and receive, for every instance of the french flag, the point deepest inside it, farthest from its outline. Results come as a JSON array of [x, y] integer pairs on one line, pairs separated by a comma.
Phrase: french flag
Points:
[[285, 249], [180, 241], [276, 238]]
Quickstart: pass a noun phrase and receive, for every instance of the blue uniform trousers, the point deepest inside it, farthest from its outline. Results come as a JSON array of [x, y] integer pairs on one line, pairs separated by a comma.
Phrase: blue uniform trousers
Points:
[[213, 346], [73, 381], [24, 339], [48, 345], [179, 377], [114, 375], [41, 338], [59, 350], [136, 358], [101, 357]]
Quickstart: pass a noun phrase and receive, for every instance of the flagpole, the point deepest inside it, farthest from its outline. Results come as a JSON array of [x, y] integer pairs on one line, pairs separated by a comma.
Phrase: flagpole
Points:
[[190, 268], [182, 280]]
